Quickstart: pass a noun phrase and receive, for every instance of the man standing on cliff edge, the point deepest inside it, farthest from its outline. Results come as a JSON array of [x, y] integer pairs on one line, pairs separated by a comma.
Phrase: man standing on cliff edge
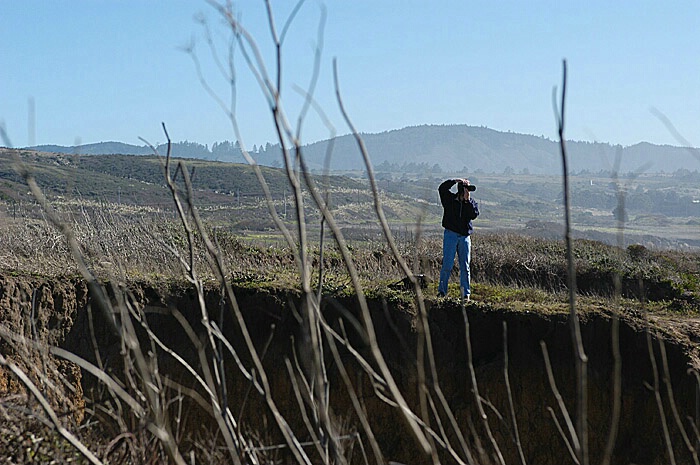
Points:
[[458, 212]]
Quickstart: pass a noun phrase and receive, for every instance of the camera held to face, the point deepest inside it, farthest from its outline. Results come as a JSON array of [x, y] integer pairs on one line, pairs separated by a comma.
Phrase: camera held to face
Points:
[[463, 185]]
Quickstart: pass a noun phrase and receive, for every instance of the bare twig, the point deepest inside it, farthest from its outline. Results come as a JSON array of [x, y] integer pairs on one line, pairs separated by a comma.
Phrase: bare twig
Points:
[[672, 403], [659, 401], [676, 134], [475, 390], [369, 327], [571, 441], [562, 435], [615, 330], [514, 421], [79, 446], [308, 399], [376, 449], [581, 358]]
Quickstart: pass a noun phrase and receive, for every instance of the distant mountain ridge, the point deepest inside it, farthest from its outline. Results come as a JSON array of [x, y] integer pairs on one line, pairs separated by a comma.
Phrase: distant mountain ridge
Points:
[[99, 148], [446, 148], [179, 149]]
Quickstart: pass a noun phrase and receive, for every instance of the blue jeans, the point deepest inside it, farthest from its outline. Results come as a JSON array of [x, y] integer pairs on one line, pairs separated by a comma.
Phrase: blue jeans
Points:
[[451, 243]]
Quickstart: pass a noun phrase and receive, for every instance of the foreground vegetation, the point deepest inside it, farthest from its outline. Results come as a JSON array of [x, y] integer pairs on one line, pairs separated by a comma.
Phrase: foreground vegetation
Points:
[[148, 248]]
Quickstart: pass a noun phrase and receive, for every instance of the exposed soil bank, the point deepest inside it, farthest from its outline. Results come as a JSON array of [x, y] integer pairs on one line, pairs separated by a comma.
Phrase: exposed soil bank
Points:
[[57, 312]]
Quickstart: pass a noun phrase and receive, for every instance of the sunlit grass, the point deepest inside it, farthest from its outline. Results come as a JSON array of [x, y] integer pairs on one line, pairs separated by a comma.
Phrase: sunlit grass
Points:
[[506, 268]]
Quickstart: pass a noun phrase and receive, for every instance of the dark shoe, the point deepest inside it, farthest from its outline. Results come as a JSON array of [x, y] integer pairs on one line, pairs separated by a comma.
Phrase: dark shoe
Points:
[[441, 294], [467, 298]]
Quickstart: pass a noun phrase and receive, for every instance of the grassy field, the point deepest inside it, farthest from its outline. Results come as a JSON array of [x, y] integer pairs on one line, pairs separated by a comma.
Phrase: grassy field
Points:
[[139, 243]]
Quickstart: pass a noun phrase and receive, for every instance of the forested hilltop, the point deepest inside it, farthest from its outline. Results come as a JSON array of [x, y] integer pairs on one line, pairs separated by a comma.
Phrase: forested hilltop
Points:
[[436, 149]]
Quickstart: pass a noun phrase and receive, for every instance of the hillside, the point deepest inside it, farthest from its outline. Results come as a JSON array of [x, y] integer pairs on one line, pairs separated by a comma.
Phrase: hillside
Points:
[[440, 148], [479, 149], [659, 210], [138, 180]]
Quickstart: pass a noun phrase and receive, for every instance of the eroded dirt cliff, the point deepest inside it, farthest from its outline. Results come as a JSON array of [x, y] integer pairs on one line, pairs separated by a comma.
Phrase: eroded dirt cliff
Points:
[[655, 366]]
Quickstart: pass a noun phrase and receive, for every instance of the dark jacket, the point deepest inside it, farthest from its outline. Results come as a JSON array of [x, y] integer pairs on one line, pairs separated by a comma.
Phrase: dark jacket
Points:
[[458, 215]]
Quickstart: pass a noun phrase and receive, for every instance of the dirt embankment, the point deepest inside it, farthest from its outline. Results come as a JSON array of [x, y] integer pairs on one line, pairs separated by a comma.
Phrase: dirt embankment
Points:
[[57, 312], [32, 310]]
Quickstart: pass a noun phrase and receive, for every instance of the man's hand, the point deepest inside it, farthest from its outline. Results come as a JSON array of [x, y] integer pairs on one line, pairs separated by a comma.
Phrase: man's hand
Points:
[[467, 194]]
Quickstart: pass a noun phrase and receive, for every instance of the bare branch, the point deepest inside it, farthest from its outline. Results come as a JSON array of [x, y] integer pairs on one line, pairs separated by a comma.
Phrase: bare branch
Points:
[[581, 358], [80, 447], [676, 134], [514, 421], [562, 409]]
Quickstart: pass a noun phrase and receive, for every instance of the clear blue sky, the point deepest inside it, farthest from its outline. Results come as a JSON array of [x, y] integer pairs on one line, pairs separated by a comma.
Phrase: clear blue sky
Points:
[[100, 70]]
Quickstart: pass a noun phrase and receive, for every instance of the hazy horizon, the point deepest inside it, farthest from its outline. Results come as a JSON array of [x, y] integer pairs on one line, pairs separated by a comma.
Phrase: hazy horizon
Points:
[[209, 144]]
